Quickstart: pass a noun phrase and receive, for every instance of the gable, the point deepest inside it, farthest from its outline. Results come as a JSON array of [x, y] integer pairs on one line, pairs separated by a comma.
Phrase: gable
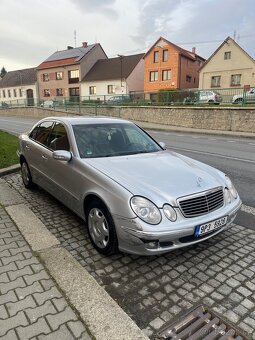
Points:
[[239, 59]]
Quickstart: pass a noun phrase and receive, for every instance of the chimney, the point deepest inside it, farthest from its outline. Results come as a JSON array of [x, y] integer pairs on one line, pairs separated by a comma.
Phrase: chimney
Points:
[[84, 44], [194, 50], [69, 47]]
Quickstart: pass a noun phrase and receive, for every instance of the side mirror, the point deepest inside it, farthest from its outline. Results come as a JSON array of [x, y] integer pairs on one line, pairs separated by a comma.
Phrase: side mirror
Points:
[[163, 145], [62, 155]]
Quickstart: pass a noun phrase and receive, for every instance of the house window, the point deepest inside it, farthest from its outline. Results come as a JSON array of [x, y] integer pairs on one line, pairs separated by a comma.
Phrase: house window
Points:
[[154, 76], [155, 57], [110, 89], [59, 75], [20, 93], [92, 90], [4, 93], [188, 78], [227, 55], [166, 74], [215, 81], [9, 93], [74, 92], [46, 77], [59, 92], [46, 93], [73, 76], [165, 55], [235, 79], [15, 93]]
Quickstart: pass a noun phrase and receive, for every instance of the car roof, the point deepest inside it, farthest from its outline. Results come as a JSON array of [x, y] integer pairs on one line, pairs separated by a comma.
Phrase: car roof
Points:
[[88, 120]]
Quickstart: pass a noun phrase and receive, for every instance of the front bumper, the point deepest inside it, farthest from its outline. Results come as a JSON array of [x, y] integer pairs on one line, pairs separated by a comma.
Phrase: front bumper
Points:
[[137, 237]]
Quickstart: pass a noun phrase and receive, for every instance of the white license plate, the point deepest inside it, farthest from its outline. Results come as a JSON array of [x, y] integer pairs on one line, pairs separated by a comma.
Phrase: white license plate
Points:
[[210, 226]]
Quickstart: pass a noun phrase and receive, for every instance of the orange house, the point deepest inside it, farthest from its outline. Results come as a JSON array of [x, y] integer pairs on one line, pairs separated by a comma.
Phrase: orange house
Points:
[[168, 66]]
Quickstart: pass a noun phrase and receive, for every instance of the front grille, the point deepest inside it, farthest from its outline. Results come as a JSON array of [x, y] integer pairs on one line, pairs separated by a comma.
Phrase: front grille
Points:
[[199, 324], [202, 203]]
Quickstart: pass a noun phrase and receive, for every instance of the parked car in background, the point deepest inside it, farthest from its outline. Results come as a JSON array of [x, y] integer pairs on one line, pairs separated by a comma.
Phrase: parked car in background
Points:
[[210, 97], [4, 105], [247, 97], [202, 97], [134, 195], [47, 104], [120, 99]]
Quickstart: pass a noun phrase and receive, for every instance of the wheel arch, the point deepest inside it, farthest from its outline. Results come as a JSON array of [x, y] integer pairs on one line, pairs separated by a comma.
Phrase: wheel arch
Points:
[[90, 198]]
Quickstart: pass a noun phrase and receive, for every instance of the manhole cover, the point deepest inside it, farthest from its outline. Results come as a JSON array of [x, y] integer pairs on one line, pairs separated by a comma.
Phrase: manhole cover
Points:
[[199, 324]]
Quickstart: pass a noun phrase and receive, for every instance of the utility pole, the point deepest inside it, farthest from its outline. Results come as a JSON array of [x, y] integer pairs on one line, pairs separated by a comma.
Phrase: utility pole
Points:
[[121, 57]]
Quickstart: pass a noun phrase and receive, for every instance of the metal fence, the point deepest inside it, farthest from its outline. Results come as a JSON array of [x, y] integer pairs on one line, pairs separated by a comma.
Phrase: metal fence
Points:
[[230, 96]]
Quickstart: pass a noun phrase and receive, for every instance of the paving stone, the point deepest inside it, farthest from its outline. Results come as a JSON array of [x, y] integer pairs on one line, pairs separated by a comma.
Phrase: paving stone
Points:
[[17, 257], [14, 307], [10, 323], [4, 278], [244, 291], [37, 328], [19, 273], [9, 297], [58, 319], [233, 317], [249, 321], [248, 303], [3, 312], [36, 277], [78, 330], [240, 310], [9, 267], [62, 333], [11, 335], [157, 323], [5, 287], [41, 297], [35, 313], [36, 287]]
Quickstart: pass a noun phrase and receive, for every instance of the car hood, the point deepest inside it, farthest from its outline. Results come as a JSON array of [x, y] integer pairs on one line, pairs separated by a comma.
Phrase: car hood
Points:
[[161, 176]]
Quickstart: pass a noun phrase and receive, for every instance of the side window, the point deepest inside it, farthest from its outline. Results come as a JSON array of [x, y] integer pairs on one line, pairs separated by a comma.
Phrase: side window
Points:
[[58, 139], [41, 133]]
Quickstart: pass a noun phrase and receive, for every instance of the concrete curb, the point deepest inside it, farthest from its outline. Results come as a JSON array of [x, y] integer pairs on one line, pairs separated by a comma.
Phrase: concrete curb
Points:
[[9, 170]]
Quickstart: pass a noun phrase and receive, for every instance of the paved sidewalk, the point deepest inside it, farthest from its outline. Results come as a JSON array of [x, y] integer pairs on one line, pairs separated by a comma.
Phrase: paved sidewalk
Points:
[[31, 305], [44, 292]]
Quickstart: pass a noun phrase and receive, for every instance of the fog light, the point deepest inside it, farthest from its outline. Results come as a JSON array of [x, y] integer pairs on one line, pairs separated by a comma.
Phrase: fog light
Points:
[[152, 245]]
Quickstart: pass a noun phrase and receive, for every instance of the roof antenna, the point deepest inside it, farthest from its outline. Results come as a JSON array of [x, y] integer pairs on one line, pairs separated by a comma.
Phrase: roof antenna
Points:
[[74, 38], [234, 35]]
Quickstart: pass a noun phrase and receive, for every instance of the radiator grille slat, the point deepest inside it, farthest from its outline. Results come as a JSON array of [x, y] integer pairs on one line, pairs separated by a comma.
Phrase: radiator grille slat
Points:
[[201, 204]]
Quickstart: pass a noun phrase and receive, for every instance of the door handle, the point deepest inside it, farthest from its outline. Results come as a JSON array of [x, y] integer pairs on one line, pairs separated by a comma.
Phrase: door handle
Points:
[[44, 157]]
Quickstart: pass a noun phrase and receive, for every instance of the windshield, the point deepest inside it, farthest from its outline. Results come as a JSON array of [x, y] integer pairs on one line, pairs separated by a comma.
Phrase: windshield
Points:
[[116, 139]]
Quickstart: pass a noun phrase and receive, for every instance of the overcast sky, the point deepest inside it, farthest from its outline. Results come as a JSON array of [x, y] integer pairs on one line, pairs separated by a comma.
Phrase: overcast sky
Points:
[[31, 30]]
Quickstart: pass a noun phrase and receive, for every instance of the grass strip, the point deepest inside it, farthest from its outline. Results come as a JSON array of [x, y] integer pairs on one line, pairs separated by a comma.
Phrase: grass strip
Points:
[[8, 149]]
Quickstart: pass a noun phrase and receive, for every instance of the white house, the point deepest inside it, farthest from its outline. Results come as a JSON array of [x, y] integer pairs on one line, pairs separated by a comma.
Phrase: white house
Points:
[[19, 87], [114, 76]]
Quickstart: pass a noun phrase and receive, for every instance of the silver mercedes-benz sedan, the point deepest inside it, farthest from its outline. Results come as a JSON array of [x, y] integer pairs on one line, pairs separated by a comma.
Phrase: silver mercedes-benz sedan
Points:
[[134, 195]]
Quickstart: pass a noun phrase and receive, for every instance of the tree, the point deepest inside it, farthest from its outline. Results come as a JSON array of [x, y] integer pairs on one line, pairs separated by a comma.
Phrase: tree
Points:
[[3, 72]]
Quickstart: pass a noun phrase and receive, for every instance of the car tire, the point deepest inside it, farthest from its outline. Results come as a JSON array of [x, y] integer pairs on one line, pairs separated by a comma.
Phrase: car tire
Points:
[[101, 228], [238, 101], [26, 176]]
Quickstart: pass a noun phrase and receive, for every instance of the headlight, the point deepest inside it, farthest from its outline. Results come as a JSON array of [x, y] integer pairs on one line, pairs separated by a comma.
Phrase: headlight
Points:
[[169, 212], [145, 209], [231, 187], [227, 196]]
